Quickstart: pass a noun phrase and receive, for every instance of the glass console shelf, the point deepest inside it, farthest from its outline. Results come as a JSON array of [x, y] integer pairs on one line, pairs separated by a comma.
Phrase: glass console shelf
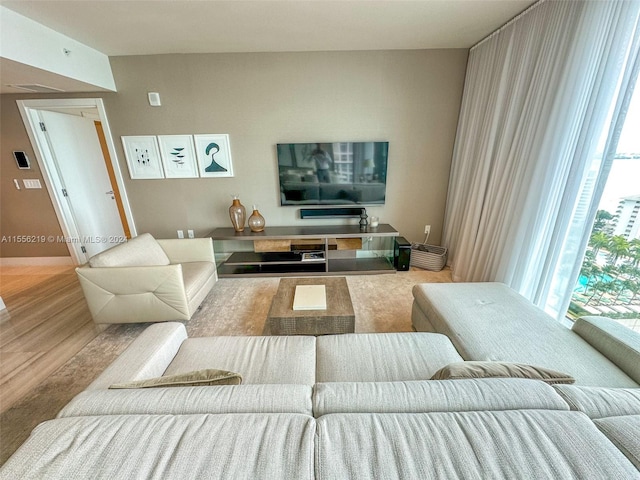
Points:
[[304, 250]]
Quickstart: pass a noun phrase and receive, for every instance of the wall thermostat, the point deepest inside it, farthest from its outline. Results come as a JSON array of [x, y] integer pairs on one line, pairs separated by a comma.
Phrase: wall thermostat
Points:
[[22, 160]]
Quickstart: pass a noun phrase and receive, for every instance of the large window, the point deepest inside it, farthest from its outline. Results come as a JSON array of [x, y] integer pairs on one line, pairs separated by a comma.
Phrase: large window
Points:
[[609, 283]]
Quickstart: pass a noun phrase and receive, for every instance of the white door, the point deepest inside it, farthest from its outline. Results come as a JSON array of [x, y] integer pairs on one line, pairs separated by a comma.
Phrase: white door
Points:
[[78, 157]]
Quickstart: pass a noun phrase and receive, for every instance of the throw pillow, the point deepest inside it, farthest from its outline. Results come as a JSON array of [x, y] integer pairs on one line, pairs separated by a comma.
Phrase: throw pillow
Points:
[[474, 369], [189, 379]]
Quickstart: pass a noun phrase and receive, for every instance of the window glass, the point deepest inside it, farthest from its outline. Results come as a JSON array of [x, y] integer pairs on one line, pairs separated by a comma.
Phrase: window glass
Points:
[[609, 283]]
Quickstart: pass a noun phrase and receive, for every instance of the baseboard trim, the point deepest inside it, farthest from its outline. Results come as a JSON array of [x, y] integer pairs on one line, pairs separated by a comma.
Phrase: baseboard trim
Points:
[[35, 261]]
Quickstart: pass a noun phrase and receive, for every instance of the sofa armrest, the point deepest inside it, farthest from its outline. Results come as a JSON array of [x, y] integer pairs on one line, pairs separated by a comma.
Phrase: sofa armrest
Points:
[[135, 294], [618, 343], [182, 250], [146, 357]]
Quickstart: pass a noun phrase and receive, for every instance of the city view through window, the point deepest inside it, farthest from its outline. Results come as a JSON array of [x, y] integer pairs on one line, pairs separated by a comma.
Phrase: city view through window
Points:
[[609, 283]]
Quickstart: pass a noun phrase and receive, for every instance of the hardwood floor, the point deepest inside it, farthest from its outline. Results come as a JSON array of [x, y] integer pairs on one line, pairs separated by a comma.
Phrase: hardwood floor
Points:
[[46, 322]]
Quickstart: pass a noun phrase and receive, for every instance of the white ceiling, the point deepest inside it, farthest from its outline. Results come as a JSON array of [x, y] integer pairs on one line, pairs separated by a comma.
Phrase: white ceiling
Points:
[[134, 27]]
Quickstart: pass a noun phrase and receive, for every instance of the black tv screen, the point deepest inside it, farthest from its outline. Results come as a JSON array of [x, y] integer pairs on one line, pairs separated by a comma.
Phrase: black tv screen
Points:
[[343, 173]]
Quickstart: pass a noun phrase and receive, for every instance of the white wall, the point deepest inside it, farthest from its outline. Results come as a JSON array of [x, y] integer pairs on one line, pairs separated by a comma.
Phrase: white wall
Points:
[[25, 41]]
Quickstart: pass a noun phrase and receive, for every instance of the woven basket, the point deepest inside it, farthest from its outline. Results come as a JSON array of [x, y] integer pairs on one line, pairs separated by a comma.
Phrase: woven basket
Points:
[[428, 257]]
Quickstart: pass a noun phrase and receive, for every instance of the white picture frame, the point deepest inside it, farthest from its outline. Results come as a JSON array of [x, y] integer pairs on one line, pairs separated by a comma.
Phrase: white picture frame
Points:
[[143, 157], [178, 156], [214, 155]]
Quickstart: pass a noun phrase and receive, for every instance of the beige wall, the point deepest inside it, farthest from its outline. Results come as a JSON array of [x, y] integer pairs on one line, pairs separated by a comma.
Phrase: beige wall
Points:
[[409, 98], [23, 213]]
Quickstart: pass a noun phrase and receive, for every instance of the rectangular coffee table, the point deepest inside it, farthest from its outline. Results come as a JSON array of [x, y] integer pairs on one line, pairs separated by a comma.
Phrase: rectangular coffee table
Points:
[[337, 318]]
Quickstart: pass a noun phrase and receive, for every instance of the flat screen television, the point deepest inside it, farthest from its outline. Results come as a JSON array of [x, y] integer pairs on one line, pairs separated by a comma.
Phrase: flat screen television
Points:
[[343, 173]]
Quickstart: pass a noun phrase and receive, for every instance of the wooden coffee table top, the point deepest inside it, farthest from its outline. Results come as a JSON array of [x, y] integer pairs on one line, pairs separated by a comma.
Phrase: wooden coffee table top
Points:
[[339, 316]]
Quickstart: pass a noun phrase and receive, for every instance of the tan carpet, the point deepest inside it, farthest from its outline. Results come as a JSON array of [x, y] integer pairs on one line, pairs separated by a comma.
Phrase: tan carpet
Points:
[[235, 306]]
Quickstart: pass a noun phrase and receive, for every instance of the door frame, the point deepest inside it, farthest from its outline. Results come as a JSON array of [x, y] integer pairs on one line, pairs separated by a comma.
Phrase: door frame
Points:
[[28, 111]]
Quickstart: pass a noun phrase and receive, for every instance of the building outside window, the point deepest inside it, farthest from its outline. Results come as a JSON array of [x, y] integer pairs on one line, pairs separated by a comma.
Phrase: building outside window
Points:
[[609, 283], [626, 218]]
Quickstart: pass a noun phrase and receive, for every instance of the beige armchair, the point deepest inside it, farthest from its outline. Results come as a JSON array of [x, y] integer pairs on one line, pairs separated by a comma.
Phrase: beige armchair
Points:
[[149, 280]]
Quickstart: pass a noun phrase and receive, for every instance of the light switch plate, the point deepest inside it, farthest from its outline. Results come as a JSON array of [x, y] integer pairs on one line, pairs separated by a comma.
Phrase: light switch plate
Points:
[[31, 183], [154, 99]]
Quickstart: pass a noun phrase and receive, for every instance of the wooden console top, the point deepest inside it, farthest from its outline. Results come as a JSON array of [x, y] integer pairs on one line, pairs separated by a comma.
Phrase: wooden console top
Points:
[[333, 231]]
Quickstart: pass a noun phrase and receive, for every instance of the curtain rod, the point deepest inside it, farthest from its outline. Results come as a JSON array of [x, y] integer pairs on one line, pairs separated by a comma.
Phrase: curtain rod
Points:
[[514, 19]]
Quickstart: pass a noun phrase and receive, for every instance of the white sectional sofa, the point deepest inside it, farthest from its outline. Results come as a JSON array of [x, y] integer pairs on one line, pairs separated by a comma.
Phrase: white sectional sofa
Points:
[[490, 321], [354, 406]]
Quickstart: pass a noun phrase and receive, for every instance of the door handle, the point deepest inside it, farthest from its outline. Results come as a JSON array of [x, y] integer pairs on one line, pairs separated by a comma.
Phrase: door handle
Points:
[[110, 192]]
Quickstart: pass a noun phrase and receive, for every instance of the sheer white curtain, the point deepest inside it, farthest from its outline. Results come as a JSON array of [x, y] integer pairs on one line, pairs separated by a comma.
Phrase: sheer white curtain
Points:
[[538, 94]]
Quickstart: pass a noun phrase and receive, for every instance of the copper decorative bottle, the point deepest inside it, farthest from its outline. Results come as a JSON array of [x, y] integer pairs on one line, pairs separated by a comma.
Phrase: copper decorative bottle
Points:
[[237, 213], [256, 221]]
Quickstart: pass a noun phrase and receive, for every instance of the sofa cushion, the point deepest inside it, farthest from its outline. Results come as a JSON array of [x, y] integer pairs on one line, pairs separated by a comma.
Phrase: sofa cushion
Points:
[[265, 446], [382, 357], [490, 321], [624, 432], [618, 343], [270, 360], [598, 402], [514, 444], [198, 378], [195, 275], [139, 251], [471, 369], [190, 400], [435, 396]]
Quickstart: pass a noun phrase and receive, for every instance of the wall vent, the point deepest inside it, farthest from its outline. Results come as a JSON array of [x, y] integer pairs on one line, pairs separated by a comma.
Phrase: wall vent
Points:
[[36, 88]]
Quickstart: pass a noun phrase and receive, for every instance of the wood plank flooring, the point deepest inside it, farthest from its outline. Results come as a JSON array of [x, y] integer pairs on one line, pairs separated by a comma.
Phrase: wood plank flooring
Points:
[[46, 322]]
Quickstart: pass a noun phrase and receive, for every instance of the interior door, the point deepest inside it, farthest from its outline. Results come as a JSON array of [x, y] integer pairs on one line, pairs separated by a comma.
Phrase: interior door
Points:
[[78, 157]]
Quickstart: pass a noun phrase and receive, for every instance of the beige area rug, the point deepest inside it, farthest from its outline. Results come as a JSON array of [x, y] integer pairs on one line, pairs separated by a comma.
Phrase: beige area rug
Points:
[[235, 306], [239, 306]]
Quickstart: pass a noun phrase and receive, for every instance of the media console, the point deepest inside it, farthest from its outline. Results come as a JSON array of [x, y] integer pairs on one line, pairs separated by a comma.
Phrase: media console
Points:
[[305, 250]]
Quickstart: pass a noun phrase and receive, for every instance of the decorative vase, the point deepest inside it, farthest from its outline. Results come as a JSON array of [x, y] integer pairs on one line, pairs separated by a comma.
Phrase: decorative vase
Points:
[[237, 213], [256, 221], [363, 219]]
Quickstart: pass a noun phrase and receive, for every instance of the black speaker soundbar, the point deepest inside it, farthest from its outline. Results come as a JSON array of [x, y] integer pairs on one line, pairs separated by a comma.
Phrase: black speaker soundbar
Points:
[[336, 212]]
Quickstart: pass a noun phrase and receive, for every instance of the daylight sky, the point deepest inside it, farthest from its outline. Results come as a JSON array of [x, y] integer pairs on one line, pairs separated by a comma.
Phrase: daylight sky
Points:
[[624, 179]]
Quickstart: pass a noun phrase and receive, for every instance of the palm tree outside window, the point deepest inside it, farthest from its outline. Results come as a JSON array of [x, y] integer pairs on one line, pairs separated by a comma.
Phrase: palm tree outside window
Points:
[[609, 282]]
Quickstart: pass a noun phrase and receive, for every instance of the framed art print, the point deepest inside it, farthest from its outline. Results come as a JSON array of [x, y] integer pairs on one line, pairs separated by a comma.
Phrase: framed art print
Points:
[[143, 157], [214, 155], [178, 156]]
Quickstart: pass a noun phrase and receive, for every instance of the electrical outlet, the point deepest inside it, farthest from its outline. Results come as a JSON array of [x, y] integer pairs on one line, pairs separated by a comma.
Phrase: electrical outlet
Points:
[[190, 233], [180, 233], [427, 229]]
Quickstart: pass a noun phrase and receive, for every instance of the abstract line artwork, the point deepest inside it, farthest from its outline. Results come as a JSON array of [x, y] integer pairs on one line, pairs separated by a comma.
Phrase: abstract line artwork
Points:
[[178, 156], [143, 157], [214, 155]]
